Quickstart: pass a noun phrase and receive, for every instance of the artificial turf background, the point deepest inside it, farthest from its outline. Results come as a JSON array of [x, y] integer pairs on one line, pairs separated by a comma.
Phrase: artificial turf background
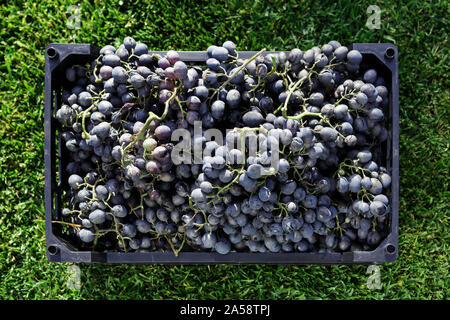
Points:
[[418, 28]]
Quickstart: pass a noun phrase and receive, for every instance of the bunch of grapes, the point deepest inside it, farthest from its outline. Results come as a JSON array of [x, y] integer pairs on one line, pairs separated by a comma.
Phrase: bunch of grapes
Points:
[[290, 151]]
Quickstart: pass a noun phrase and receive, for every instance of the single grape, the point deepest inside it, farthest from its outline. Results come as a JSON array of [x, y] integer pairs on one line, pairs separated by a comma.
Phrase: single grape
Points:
[[97, 216], [220, 53], [218, 109], [223, 246], [119, 75], [86, 235], [252, 118]]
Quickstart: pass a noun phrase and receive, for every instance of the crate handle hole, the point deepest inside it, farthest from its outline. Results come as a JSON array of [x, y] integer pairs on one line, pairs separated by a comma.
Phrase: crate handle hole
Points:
[[390, 248], [52, 53], [390, 53], [52, 250]]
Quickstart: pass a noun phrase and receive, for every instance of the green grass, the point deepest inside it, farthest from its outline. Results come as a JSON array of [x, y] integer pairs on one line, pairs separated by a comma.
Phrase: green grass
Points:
[[418, 28]]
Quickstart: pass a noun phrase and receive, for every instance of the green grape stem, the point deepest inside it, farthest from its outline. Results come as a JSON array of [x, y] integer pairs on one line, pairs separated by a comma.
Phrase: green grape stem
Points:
[[152, 116], [237, 72]]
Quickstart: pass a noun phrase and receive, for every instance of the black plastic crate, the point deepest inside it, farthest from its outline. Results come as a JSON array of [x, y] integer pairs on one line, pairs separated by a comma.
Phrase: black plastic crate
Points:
[[383, 57]]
